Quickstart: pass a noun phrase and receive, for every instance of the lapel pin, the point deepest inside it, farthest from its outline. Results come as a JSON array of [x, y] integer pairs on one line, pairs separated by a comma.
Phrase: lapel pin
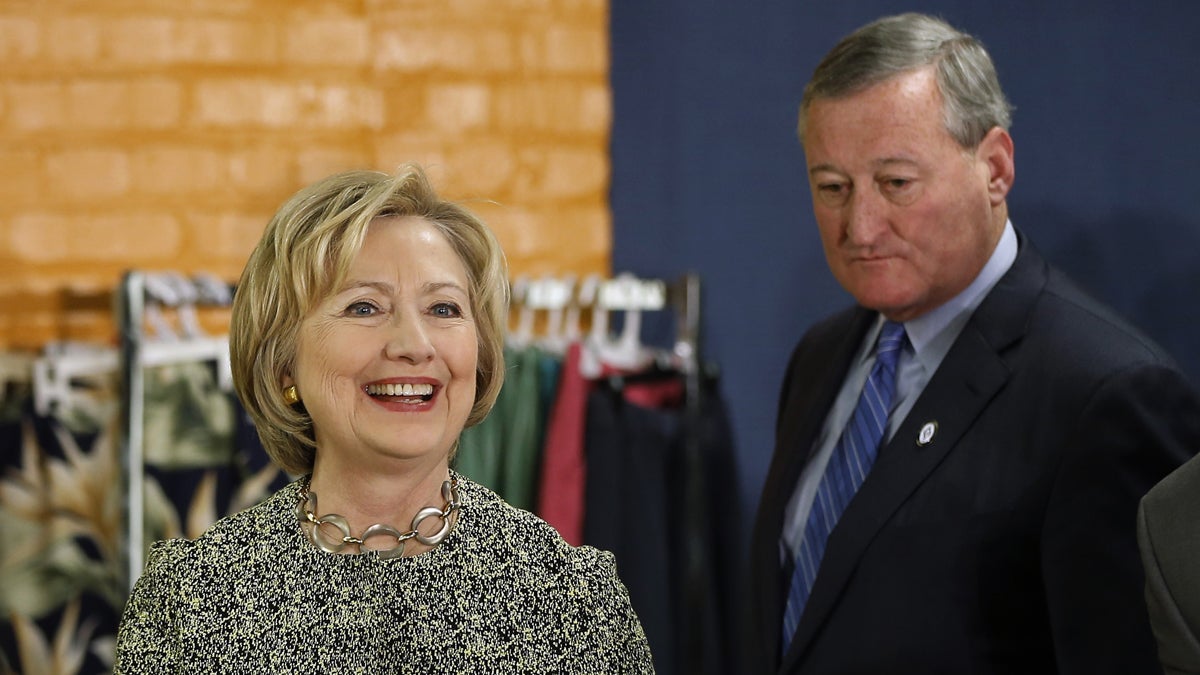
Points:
[[925, 436]]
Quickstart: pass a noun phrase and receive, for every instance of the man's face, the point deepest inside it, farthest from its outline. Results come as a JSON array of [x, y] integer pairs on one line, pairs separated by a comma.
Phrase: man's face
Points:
[[907, 217]]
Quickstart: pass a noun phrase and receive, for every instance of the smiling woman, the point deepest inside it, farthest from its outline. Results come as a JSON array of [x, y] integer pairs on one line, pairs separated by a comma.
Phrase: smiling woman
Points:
[[367, 333]]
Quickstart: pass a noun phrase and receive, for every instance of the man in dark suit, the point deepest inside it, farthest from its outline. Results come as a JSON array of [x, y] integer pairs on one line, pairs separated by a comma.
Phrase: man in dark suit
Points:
[[973, 510], [1169, 538]]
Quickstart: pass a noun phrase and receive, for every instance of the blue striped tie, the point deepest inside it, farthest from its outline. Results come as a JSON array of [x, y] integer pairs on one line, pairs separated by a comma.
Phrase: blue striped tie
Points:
[[847, 468]]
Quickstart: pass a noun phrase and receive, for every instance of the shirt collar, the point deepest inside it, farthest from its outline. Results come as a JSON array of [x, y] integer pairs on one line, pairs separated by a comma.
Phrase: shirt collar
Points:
[[923, 330]]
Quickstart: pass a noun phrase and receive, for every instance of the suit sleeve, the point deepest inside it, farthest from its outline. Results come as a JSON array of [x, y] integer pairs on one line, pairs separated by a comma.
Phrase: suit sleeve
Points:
[[1139, 425], [1178, 647]]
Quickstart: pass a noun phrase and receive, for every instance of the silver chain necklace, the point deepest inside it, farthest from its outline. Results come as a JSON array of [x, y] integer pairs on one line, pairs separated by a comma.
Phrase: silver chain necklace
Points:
[[311, 524]]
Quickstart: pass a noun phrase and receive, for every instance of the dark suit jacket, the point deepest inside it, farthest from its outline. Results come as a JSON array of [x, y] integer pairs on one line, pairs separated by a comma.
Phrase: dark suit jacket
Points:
[[1007, 544], [1169, 537]]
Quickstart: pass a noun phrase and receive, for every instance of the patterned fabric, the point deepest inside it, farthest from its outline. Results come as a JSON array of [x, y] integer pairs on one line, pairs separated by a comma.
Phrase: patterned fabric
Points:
[[63, 538], [852, 458], [502, 594]]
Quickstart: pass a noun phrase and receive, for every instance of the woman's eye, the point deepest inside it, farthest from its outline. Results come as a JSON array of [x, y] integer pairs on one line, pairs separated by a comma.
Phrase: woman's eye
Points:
[[447, 310], [362, 309]]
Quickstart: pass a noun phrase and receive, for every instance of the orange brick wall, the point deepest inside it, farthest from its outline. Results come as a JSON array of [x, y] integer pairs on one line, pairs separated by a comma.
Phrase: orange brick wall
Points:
[[162, 134]]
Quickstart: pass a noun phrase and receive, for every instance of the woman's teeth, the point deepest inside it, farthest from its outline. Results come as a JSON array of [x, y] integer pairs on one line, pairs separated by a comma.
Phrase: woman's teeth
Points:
[[407, 390]]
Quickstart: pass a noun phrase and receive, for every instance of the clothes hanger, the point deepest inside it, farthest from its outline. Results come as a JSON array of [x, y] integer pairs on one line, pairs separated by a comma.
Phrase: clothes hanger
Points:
[[632, 296], [522, 335], [60, 374], [555, 295]]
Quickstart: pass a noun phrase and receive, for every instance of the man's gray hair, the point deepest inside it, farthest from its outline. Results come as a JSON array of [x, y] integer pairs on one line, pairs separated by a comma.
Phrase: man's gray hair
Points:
[[973, 102]]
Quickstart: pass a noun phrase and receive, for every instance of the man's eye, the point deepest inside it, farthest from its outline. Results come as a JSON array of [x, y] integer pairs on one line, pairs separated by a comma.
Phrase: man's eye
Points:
[[833, 193]]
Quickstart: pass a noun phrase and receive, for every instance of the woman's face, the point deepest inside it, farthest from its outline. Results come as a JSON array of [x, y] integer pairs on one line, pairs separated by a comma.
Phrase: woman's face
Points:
[[386, 365]]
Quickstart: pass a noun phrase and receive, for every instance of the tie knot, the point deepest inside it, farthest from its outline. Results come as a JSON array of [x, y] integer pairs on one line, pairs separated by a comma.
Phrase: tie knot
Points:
[[891, 339]]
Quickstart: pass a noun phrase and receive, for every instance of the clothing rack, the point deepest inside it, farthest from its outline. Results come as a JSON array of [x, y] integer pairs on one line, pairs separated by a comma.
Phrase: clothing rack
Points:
[[167, 303], [564, 300]]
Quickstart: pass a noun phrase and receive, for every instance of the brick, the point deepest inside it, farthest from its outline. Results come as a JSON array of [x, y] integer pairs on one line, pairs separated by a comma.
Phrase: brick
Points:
[[584, 231], [517, 229], [115, 103], [59, 238], [141, 40], [327, 41], [276, 104], [73, 39], [155, 103], [483, 169], [595, 108], [266, 169], [556, 105], [226, 41], [230, 103], [88, 326], [88, 174], [333, 106], [167, 170], [317, 163], [36, 106], [454, 107], [476, 9], [19, 39], [404, 106], [20, 177], [425, 148], [98, 104], [228, 236], [33, 332], [568, 173], [575, 49], [551, 240], [415, 48]]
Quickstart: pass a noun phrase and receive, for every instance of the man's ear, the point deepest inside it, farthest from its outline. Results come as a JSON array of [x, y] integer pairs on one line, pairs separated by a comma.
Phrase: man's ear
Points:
[[995, 153]]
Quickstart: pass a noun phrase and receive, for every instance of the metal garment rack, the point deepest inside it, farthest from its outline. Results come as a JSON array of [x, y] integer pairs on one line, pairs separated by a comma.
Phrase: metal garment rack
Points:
[[682, 296], [138, 300], [685, 295], [634, 296]]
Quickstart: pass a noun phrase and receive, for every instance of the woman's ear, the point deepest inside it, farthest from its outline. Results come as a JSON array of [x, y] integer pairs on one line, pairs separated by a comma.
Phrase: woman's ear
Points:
[[995, 152]]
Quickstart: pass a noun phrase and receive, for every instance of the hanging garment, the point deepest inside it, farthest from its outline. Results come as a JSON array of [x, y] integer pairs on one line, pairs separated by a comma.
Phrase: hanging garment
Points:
[[62, 581], [504, 451], [564, 471], [680, 566], [63, 574]]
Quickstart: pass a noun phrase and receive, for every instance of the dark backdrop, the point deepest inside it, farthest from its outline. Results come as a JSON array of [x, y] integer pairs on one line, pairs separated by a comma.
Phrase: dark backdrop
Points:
[[708, 175]]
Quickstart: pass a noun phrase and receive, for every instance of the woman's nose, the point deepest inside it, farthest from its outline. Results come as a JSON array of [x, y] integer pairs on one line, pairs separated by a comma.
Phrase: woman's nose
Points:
[[408, 340]]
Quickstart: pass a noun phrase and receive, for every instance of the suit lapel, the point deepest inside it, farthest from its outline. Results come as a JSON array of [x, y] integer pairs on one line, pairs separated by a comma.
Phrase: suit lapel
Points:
[[815, 376], [968, 378]]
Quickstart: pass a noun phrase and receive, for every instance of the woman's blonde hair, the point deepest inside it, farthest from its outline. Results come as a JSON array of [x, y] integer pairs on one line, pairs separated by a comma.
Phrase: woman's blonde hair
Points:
[[304, 255]]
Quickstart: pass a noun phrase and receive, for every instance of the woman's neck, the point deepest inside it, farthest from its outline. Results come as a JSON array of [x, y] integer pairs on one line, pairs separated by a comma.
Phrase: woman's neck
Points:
[[366, 497]]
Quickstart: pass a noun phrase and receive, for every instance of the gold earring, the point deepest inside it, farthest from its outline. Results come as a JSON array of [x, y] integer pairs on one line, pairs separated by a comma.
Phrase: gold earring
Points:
[[290, 395]]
